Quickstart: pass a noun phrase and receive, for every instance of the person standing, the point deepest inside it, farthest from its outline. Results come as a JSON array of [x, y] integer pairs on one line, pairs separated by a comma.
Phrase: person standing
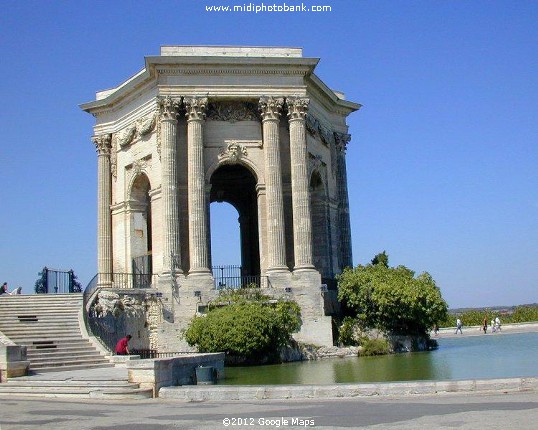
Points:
[[458, 326], [498, 323], [485, 325], [122, 347]]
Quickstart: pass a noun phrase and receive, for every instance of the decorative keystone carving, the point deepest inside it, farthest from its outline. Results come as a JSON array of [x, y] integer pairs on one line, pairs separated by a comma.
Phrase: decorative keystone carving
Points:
[[233, 152], [270, 107], [297, 107], [168, 107], [196, 107], [103, 143]]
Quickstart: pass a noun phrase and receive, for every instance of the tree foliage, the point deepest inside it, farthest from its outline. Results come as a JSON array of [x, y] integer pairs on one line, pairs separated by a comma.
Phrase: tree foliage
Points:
[[244, 324], [391, 299]]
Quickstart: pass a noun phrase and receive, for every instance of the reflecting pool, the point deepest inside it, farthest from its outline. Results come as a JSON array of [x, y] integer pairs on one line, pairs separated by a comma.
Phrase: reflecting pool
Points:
[[473, 357]]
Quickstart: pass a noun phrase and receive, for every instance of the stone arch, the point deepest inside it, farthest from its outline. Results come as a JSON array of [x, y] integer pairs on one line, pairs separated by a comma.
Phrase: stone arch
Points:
[[321, 239], [140, 224], [236, 183]]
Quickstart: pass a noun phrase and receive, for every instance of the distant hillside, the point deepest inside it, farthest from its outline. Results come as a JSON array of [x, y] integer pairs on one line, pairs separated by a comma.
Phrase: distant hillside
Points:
[[502, 310]]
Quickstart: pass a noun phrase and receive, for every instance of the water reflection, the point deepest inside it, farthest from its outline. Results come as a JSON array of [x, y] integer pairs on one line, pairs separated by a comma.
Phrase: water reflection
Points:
[[479, 357]]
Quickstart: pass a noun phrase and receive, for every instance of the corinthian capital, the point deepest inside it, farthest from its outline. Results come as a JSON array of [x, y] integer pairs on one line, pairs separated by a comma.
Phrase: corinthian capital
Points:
[[270, 107], [297, 107], [103, 143], [341, 140], [168, 107], [196, 107]]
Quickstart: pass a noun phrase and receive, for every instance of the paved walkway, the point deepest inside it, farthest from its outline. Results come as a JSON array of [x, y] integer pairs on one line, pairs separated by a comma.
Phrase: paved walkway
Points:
[[517, 411], [477, 330]]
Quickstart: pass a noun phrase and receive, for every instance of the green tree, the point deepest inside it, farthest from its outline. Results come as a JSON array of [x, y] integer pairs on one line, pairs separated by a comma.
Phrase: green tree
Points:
[[381, 258], [392, 299], [243, 324]]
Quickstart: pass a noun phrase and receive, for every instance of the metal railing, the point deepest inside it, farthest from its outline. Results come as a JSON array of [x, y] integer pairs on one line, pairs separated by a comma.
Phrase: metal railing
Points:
[[233, 277], [153, 353]]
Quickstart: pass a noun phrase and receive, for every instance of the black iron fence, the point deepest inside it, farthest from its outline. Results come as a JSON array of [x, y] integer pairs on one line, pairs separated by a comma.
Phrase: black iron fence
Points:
[[233, 277], [54, 281]]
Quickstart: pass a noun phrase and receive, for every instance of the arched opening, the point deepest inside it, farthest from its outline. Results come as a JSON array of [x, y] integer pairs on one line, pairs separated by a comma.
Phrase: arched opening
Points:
[[140, 226], [321, 246], [236, 185]]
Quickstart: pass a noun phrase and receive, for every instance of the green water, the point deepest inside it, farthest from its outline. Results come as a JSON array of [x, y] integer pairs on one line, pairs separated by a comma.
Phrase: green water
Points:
[[477, 357]]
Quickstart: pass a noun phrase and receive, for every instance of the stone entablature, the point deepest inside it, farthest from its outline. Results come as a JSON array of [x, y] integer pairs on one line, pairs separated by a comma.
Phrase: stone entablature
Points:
[[250, 126]]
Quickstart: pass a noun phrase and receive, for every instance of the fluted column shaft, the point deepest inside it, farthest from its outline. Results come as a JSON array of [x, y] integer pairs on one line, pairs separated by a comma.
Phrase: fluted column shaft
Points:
[[169, 179], [302, 221], [344, 224], [271, 109], [104, 201], [198, 230]]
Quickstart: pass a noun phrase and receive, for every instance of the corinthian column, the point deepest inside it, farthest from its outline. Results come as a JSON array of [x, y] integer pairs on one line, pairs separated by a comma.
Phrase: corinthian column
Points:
[[270, 109], [344, 225], [104, 200], [198, 231], [302, 222], [168, 111]]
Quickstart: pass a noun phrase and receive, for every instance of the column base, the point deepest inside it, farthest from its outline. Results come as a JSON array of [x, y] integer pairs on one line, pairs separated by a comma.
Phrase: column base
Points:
[[304, 268], [200, 272], [277, 269]]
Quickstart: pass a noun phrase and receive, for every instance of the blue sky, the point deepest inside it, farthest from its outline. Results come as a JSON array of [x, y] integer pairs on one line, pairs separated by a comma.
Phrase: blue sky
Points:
[[442, 163]]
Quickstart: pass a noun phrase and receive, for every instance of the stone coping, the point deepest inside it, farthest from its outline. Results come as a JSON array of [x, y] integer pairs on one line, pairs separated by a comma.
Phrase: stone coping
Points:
[[282, 392]]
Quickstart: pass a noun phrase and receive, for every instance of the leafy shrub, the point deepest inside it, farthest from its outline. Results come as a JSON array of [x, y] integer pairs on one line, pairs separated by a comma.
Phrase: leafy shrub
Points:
[[374, 346], [245, 324], [391, 299], [346, 332]]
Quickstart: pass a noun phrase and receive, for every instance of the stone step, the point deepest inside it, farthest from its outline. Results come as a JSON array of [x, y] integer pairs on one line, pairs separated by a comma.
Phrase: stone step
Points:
[[25, 328], [50, 357], [59, 349], [58, 366], [45, 336], [57, 346], [95, 390]]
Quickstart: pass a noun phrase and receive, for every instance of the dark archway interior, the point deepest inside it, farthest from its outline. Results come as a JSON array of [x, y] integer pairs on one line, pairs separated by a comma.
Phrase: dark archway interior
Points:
[[236, 185]]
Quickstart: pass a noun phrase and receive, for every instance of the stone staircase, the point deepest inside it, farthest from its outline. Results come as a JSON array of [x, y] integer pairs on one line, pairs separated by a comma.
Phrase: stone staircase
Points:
[[48, 325]]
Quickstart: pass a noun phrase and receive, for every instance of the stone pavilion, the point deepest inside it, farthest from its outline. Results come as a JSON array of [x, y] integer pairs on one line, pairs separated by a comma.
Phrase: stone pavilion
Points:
[[251, 126]]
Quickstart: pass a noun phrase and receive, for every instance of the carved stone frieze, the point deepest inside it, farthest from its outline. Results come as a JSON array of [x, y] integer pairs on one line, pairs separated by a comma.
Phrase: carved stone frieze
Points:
[[126, 136], [146, 124], [314, 127], [138, 129], [196, 108], [232, 111], [233, 152], [297, 107], [271, 107]]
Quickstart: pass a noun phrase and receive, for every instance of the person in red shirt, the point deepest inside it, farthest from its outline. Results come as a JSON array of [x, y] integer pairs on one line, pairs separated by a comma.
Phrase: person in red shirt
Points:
[[122, 347]]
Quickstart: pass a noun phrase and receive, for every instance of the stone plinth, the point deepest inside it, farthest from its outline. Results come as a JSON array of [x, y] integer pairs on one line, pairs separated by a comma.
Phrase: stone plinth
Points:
[[165, 372]]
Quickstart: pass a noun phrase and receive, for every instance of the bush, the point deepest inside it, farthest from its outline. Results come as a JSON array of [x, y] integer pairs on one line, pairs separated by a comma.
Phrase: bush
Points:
[[244, 324], [374, 346], [346, 332], [392, 299]]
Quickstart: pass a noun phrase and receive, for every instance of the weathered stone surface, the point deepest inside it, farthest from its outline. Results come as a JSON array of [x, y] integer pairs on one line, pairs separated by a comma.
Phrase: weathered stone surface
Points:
[[163, 137]]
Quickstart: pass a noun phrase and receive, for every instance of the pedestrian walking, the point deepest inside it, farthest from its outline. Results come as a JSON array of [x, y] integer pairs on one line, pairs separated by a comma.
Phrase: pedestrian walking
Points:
[[458, 326], [485, 325]]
